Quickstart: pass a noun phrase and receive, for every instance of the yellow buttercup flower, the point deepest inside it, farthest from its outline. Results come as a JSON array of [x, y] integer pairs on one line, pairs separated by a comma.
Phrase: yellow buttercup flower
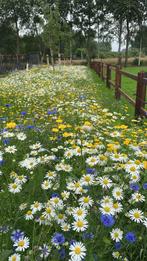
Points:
[[11, 125], [55, 130], [145, 164]]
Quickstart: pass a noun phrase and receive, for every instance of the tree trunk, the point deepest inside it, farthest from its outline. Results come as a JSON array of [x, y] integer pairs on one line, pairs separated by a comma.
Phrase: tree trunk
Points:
[[70, 50], [52, 58], [98, 40], [17, 40], [127, 44], [140, 48], [120, 42]]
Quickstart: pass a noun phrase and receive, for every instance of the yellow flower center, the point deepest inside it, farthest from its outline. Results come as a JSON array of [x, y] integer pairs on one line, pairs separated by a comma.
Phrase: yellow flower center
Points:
[[56, 200], [77, 250], [21, 243], [48, 210], [60, 216], [79, 212], [13, 258], [14, 186], [87, 179], [86, 200], [136, 215], [36, 205], [115, 205], [116, 234], [105, 181], [132, 168], [107, 209], [80, 223], [29, 212], [77, 184]]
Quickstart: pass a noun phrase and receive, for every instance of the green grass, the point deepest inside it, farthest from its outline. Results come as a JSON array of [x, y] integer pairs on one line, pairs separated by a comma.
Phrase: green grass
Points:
[[106, 97], [128, 85]]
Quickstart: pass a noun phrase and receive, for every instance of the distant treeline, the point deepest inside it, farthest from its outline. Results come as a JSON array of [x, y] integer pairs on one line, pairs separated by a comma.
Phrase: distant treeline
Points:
[[80, 29]]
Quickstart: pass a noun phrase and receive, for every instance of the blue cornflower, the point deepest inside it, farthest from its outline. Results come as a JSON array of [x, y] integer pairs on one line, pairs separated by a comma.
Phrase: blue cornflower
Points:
[[55, 195], [52, 112], [62, 253], [1, 162], [107, 220], [23, 113], [58, 239], [72, 241], [145, 186], [45, 251], [6, 141], [117, 245], [90, 170], [88, 236], [130, 237], [134, 186], [8, 105], [16, 235], [30, 127], [4, 229]]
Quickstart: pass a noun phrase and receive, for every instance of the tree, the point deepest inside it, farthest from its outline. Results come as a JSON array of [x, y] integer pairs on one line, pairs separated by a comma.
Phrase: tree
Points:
[[84, 20], [128, 11], [51, 33]]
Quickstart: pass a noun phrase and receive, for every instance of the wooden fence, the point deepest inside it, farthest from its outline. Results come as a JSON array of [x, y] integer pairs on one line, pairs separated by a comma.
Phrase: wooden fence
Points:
[[9, 63], [105, 73]]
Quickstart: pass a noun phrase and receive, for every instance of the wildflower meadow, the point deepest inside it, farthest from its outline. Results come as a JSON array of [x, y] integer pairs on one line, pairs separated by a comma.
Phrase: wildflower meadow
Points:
[[73, 173]]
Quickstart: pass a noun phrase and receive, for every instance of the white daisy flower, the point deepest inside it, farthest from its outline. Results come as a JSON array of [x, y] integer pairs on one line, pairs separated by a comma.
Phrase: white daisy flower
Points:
[[65, 195], [14, 257], [116, 234], [35, 146], [105, 182], [86, 201], [136, 215], [87, 180], [106, 200], [132, 168], [107, 209], [68, 154], [79, 213], [14, 188], [29, 163], [92, 161], [117, 193], [56, 202], [11, 149], [21, 136], [80, 225], [65, 227], [77, 251], [116, 254], [49, 213], [117, 206], [22, 244], [29, 215], [36, 206], [138, 197], [46, 184]]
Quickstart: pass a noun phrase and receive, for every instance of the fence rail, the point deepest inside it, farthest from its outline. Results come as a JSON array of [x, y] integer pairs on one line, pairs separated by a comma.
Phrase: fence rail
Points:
[[105, 73], [9, 63]]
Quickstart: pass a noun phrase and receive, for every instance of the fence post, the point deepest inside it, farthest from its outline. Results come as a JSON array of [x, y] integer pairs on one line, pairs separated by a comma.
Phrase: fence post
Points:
[[140, 94], [117, 83], [108, 75], [101, 70]]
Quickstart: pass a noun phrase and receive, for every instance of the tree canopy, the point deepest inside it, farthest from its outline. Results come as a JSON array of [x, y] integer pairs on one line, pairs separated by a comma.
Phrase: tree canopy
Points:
[[63, 27]]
